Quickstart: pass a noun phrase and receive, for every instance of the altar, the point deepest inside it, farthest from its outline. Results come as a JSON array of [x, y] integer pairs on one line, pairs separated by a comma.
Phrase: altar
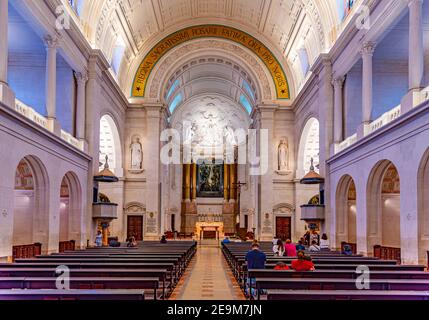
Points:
[[209, 230]]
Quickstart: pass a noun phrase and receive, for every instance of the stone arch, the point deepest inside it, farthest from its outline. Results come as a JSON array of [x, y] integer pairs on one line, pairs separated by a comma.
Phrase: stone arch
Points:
[[31, 203], [345, 211], [423, 207], [110, 144], [71, 209], [308, 147], [168, 63], [383, 191]]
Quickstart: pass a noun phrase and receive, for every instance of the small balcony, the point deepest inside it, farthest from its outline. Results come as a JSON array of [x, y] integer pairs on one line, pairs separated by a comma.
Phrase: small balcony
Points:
[[105, 210], [312, 212]]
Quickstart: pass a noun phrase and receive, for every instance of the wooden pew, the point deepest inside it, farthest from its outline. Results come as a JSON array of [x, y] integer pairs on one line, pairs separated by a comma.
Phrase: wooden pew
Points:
[[338, 284], [160, 274], [170, 267], [72, 295], [82, 283], [346, 295], [335, 274]]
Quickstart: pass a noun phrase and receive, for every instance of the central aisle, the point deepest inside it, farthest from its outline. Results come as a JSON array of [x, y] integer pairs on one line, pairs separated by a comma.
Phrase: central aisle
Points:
[[208, 277]]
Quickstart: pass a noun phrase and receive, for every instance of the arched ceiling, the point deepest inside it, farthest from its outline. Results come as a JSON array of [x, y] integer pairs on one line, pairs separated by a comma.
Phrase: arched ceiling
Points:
[[211, 75], [284, 26]]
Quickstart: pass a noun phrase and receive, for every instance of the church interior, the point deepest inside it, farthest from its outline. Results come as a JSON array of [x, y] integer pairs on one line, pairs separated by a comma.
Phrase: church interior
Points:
[[153, 142]]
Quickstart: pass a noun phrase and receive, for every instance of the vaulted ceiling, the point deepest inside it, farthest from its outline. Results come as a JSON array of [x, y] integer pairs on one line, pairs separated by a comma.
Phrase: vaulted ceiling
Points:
[[284, 26]]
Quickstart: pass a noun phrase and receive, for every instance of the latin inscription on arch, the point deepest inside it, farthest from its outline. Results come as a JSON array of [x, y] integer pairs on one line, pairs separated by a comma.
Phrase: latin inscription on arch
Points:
[[204, 31]]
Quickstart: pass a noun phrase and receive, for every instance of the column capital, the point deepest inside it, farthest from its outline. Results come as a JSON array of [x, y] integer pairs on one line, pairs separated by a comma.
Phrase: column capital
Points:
[[368, 48], [51, 42], [338, 82], [411, 2], [81, 77]]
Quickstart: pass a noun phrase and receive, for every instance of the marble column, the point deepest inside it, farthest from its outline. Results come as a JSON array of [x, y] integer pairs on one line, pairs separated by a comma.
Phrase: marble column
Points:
[[3, 40], [416, 51], [266, 197], [367, 94], [324, 72], [92, 131], [51, 83], [187, 173], [415, 56], [226, 182], [194, 182], [338, 109], [154, 118], [232, 183], [81, 78], [6, 94]]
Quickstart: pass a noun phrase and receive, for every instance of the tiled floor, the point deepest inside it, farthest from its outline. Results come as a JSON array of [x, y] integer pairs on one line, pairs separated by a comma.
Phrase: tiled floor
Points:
[[208, 277]]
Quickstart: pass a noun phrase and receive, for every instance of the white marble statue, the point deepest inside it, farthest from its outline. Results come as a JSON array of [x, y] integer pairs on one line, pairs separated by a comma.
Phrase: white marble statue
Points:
[[136, 154], [283, 155]]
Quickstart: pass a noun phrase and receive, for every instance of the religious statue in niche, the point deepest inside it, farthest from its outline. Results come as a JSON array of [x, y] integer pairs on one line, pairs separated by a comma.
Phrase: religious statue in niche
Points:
[[136, 151], [283, 157]]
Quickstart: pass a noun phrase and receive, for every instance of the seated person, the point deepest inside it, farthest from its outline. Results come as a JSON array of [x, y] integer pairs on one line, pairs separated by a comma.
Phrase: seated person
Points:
[[314, 247], [163, 239], [281, 266], [131, 242], [290, 249], [303, 263], [324, 243], [255, 259], [300, 246], [226, 240], [114, 243], [347, 250]]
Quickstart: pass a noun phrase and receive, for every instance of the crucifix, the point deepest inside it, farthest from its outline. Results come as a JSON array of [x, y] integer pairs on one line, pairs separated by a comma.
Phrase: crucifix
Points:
[[238, 186]]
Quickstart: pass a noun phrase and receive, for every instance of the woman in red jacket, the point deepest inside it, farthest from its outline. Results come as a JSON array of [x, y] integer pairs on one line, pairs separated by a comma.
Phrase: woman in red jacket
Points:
[[302, 263]]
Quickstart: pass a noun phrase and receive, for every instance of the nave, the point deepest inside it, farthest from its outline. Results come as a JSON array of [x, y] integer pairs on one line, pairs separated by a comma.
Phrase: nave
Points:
[[185, 270]]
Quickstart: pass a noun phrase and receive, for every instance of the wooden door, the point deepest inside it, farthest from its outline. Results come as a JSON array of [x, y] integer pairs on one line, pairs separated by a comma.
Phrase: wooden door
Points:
[[283, 228], [135, 227]]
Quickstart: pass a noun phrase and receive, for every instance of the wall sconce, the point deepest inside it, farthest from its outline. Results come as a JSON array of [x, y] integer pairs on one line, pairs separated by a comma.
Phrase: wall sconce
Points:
[[4, 213]]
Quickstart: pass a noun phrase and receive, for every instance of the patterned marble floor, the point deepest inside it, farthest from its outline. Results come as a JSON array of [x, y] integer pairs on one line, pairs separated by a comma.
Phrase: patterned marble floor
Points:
[[208, 277]]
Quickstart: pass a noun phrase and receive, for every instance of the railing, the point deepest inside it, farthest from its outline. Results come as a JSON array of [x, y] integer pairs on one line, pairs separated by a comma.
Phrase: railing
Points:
[[346, 143], [386, 118], [31, 114], [72, 140], [36, 117], [67, 245], [387, 253], [425, 94], [26, 251]]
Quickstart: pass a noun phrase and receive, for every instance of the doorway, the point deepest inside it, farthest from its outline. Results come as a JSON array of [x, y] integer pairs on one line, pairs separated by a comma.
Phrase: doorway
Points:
[[283, 228], [135, 227]]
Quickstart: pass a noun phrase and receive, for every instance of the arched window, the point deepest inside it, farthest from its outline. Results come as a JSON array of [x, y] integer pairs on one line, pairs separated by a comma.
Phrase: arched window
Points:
[[77, 6], [176, 102], [118, 54], [309, 147], [303, 58], [172, 89], [344, 7], [246, 104], [248, 89], [110, 144]]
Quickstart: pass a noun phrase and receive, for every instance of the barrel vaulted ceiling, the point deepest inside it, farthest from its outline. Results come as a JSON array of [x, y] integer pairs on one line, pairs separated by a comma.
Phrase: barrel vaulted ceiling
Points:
[[284, 26]]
